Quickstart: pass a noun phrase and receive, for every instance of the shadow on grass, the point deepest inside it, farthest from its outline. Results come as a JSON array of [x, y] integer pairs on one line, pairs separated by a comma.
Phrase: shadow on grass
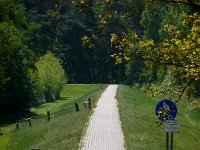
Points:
[[11, 118], [60, 99], [65, 98]]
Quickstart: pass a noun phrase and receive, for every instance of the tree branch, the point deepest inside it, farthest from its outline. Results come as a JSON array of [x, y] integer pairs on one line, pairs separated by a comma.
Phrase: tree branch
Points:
[[191, 3], [177, 2], [165, 63], [184, 89]]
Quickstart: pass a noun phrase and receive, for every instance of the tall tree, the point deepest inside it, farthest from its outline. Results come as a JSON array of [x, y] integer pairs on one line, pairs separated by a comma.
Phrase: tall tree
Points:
[[15, 57]]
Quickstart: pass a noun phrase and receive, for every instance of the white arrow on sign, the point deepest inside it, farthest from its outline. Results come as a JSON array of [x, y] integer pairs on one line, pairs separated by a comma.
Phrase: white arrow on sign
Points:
[[172, 126]]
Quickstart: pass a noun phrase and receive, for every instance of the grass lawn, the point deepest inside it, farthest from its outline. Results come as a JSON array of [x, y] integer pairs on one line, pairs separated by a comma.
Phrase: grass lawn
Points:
[[137, 114], [63, 131]]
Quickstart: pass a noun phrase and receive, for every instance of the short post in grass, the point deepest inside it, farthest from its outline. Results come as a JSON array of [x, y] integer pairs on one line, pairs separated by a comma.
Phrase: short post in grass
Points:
[[85, 104], [48, 116], [76, 106], [17, 125], [29, 122], [1, 133], [89, 103]]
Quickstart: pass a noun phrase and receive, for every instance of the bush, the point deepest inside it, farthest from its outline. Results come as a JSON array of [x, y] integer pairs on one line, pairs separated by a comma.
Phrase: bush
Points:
[[49, 78]]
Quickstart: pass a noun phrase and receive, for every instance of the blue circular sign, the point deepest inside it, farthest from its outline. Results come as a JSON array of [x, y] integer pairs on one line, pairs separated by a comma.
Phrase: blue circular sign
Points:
[[166, 110]]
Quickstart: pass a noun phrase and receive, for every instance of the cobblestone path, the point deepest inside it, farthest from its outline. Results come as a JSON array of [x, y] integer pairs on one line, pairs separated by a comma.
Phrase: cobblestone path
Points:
[[104, 131]]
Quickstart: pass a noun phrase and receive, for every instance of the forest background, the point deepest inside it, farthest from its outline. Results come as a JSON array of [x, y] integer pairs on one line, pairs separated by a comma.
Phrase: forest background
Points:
[[153, 45]]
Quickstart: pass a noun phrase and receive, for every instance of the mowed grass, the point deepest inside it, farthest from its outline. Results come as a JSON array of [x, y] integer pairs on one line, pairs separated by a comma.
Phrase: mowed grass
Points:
[[137, 114], [64, 130]]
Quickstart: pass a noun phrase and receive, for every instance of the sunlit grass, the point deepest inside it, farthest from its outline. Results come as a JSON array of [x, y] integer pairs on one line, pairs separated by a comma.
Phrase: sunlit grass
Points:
[[4, 139], [71, 93]]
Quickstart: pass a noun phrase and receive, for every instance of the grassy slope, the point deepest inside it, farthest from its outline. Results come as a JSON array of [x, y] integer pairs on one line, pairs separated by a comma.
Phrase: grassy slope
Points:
[[64, 130], [138, 116]]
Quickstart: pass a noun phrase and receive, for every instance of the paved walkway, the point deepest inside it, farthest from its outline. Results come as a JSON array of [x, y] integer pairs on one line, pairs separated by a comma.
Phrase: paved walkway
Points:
[[104, 131]]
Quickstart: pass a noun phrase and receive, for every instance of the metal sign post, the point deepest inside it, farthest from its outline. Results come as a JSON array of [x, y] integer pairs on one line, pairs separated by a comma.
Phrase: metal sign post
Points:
[[171, 142], [166, 111], [167, 140], [172, 126]]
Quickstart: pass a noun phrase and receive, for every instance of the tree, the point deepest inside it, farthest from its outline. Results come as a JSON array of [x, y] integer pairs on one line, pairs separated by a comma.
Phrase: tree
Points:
[[49, 78], [179, 51], [177, 48], [151, 21], [15, 58]]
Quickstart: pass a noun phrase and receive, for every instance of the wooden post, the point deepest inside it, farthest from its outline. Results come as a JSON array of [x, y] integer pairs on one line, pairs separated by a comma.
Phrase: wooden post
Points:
[[85, 104], [17, 125], [89, 103], [76, 106], [29, 122], [1, 133], [48, 115]]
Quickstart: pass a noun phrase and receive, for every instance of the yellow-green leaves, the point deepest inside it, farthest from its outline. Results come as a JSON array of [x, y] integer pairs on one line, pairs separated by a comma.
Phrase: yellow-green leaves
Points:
[[171, 30], [89, 41], [81, 3], [113, 39], [50, 75], [123, 43], [54, 13], [180, 51]]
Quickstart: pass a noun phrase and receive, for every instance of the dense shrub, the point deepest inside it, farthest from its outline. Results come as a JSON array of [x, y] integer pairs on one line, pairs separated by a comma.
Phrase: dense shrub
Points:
[[49, 78]]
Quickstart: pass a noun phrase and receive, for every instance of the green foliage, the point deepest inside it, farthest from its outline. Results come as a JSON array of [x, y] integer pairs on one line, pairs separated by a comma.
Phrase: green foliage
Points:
[[49, 77], [13, 12], [136, 72], [150, 21], [62, 25], [180, 51], [167, 37], [16, 58], [177, 48], [108, 28]]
